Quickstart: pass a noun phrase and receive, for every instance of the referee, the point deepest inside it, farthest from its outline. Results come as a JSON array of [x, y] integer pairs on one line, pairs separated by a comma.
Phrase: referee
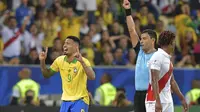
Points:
[[145, 48]]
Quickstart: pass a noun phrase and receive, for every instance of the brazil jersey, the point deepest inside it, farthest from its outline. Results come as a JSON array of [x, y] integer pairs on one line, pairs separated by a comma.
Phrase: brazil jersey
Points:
[[74, 78]]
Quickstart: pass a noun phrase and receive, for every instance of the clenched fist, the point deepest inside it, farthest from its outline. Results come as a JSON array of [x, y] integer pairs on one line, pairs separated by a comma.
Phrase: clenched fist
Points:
[[126, 4]]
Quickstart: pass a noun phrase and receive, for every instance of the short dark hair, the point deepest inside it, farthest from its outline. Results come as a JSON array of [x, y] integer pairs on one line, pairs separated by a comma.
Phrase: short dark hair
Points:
[[108, 76], [166, 38], [152, 34], [75, 39], [57, 38]]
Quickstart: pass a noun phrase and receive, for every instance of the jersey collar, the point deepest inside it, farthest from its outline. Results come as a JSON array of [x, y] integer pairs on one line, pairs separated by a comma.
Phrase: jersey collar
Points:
[[73, 61], [163, 52]]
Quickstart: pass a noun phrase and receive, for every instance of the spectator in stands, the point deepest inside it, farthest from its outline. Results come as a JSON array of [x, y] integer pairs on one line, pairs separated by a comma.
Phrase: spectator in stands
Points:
[[159, 27], [88, 48], [94, 34], [1, 44], [120, 99], [116, 30], [118, 57], [52, 56], [70, 24], [105, 94], [197, 51], [105, 13], [138, 26], [100, 24], [91, 7], [123, 44], [151, 22], [57, 47], [22, 12], [12, 38], [22, 92], [142, 15], [51, 29], [185, 62], [41, 5], [57, 7], [36, 38], [40, 19], [105, 38], [131, 57], [1, 59], [32, 58], [108, 59], [84, 27]]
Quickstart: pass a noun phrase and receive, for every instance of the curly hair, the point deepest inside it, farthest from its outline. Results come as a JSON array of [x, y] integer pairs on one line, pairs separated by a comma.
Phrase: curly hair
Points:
[[166, 38]]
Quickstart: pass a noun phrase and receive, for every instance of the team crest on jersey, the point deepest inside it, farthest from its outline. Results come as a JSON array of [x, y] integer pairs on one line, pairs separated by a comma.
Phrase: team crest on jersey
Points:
[[82, 110], [75, 70]]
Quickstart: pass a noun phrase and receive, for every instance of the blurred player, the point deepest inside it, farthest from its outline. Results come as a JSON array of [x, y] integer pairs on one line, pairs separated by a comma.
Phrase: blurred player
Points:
[[74, 70], [161, 79], [144, 49]]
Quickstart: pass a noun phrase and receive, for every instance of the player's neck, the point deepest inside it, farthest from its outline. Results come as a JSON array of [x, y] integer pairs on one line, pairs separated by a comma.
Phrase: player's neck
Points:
[[70, 58], [166, 50]]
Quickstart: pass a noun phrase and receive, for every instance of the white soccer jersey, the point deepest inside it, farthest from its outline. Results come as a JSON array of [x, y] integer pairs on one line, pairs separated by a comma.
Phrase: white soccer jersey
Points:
[[161, 61]]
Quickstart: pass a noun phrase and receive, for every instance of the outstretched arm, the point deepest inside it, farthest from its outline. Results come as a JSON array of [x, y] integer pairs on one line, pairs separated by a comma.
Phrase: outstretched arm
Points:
[[88, 70], [46, 72], [130, 23], [177, 91]]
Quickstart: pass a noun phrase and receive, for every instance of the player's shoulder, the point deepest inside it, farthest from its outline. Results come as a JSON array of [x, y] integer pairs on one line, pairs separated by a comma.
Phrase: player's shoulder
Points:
[[157, 55], [62, 57], [85, 60]]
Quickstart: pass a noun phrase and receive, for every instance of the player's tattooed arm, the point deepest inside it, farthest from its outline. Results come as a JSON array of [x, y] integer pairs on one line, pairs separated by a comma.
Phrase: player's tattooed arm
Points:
[[46, 72], [88, 70]]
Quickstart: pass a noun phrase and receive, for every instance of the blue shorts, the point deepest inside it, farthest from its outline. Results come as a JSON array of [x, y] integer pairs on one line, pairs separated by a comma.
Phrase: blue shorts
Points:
[[74, 106]]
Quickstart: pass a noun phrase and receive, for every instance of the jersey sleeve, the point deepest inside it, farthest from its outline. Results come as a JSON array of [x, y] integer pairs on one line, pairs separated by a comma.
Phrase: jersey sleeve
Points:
[[87, 63], [155, 61], [55, 65]]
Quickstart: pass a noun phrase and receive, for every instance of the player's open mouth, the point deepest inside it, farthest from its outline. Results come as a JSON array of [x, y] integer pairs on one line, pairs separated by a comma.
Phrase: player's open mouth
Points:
[[65, 49]]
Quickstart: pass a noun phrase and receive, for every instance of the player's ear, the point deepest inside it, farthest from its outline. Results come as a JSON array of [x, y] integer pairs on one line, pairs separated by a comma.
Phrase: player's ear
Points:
[[153, 40]]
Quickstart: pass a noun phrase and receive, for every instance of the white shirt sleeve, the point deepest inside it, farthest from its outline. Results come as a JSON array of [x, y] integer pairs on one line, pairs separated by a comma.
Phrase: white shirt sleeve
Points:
[[187, 98], [97, 96], [15, 92], [155, 61]]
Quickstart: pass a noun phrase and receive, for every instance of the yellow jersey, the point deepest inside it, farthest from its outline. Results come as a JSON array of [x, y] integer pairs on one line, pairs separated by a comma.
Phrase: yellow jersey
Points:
[[51, 32], [70, 28], [74, 78]]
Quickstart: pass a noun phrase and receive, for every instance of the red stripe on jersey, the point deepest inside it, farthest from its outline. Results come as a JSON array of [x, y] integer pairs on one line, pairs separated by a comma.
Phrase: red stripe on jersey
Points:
[[161, 83]]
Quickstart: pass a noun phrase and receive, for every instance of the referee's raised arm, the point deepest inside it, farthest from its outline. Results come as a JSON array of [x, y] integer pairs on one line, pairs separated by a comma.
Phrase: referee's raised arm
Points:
[[130, 23]]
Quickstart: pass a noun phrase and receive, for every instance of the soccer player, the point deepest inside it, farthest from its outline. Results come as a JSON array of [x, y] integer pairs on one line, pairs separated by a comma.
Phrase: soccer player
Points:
[[74, 70], [144, 49], [161, 79]]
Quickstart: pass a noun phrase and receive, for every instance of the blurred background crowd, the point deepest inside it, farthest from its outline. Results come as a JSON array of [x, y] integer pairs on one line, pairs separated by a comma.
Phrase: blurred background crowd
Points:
[[27, 26]]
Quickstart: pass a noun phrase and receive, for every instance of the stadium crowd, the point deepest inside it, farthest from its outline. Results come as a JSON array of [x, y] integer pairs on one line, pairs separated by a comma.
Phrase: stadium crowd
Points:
[[28, 26]]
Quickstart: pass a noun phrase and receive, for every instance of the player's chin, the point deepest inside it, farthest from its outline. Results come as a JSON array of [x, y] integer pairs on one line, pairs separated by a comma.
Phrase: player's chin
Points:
[[65, 53]]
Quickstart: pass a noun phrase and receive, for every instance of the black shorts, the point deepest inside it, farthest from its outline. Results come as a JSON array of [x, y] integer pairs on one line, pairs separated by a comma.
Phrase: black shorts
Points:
[[139, 101]]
